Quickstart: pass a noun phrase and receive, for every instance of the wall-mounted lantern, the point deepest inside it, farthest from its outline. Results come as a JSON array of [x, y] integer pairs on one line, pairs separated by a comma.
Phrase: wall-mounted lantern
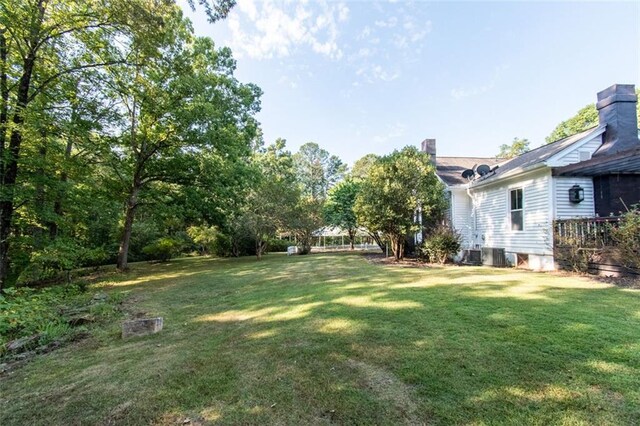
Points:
[[576, 194]]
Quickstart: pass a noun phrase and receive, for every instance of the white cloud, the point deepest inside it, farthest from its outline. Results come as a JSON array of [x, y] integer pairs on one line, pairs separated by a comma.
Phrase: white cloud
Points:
[[248, 7], [389, 45], [389, 23], [371, 73], [365, 33], [276, 29]]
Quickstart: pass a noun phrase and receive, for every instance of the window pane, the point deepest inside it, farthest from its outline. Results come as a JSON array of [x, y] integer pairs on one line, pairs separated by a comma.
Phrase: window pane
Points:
[[516, 220], [519, 197], [516, 199]]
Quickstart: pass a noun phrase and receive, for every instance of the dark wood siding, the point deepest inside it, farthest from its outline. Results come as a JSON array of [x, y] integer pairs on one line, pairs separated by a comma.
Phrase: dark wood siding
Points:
[[613, 192]]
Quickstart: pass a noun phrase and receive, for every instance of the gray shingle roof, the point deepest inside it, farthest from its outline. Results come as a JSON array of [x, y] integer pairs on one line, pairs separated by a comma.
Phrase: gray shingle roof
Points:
[[536, 156], [450, 168], [624, 162]]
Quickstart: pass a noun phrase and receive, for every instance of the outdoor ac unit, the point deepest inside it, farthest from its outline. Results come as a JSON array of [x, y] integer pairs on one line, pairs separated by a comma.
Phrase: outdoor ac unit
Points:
[[493, 257], [472, 257]]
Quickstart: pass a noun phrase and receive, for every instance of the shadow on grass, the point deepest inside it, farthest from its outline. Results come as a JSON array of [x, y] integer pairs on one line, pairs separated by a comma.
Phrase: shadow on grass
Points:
[[332, 338]]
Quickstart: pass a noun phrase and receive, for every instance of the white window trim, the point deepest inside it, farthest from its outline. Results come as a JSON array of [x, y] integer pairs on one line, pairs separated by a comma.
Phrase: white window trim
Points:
[[509, 189]]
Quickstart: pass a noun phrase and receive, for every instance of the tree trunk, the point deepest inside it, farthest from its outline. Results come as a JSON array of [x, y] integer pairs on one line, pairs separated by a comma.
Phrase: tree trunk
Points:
[[10, 166], [40, 196], [4, 97], [397, 246], [57, 203], [352, 237], [260, 246], [123, 252], [376, 237]]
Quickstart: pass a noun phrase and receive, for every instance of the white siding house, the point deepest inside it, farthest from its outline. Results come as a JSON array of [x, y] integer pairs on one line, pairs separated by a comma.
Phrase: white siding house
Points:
[[511, 205]]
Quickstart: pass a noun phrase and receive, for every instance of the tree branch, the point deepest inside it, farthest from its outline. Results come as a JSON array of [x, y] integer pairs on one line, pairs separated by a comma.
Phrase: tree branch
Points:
[[70, 71]]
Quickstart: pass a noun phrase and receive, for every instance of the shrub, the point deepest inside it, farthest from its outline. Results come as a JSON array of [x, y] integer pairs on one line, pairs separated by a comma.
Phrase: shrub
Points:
[[441, 245], [25, 311], [162, 249], [627, 237], [204, 237], [277, 245], [57, 260], [46, 313], [93, 257], [222, 246], [571, 255]]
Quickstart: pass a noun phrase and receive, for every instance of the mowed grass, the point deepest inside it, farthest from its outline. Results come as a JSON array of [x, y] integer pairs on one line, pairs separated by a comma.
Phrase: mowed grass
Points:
[[333, 339]]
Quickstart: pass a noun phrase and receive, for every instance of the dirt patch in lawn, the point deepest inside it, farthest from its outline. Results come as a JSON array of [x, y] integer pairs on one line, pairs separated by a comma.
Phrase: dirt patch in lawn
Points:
[[381, 259], [387, 388]]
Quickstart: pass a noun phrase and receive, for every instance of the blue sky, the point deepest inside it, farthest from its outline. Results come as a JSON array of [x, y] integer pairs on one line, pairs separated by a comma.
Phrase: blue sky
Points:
[[361, 77]]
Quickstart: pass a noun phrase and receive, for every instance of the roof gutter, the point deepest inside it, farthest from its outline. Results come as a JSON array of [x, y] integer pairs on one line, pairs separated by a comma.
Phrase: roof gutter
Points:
[[511, 173]]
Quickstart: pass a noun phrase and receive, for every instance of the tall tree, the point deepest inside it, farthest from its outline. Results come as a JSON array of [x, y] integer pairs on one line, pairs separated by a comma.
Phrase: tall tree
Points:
[[517, 147], [273, 197], [361, 167], [358, 173], [338, 208], [182, 103], [317, 170], [584, 119], [42, 41], [397, 186]]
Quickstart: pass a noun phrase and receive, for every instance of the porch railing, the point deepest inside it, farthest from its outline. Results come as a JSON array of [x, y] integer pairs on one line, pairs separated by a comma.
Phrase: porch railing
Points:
[[587, 233]]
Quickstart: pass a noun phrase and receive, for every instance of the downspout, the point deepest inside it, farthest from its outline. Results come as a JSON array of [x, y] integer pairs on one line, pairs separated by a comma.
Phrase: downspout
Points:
[[474, 230]]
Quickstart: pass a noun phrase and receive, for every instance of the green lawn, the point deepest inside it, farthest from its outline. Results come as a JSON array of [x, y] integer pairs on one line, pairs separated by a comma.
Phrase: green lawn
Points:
[[330, 338]]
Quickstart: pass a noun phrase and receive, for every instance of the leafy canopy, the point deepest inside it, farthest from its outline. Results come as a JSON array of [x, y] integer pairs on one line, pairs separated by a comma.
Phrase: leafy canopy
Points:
[[586, 118], [397, 186], [317, 170], [516, 148]]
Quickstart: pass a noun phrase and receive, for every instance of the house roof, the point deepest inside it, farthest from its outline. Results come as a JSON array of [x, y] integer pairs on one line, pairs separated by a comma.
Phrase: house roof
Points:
[[450, 168], [535, 156], [625, 162]]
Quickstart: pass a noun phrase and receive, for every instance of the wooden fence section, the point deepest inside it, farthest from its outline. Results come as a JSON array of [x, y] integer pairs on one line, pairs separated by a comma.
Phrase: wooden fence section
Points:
[[587, 245], [587, 233]]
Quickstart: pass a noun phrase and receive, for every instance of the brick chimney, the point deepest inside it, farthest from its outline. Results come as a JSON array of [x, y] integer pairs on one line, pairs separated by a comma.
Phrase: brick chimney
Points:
[[429, 146], [617, 109]]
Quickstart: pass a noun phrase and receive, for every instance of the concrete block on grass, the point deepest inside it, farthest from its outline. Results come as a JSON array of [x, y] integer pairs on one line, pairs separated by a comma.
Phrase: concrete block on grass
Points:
[[141, 327]]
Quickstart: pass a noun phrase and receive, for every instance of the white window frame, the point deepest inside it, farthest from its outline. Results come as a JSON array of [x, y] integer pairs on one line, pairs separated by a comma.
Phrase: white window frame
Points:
[[509, 210]]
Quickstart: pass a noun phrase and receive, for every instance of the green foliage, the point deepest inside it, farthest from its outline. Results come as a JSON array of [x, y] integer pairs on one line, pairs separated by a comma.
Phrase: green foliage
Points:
[[627, 237], [338, 208], [361, 167], [215, 9], [575, 244], [516, 148], [26, 312], [441, 245], [272, 199], [305, 218], [276, 245], [61, 256], [317, 170], [163, 249], [398, 185], [586, 118], [205, 237], [137, 112], [46, 313]]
